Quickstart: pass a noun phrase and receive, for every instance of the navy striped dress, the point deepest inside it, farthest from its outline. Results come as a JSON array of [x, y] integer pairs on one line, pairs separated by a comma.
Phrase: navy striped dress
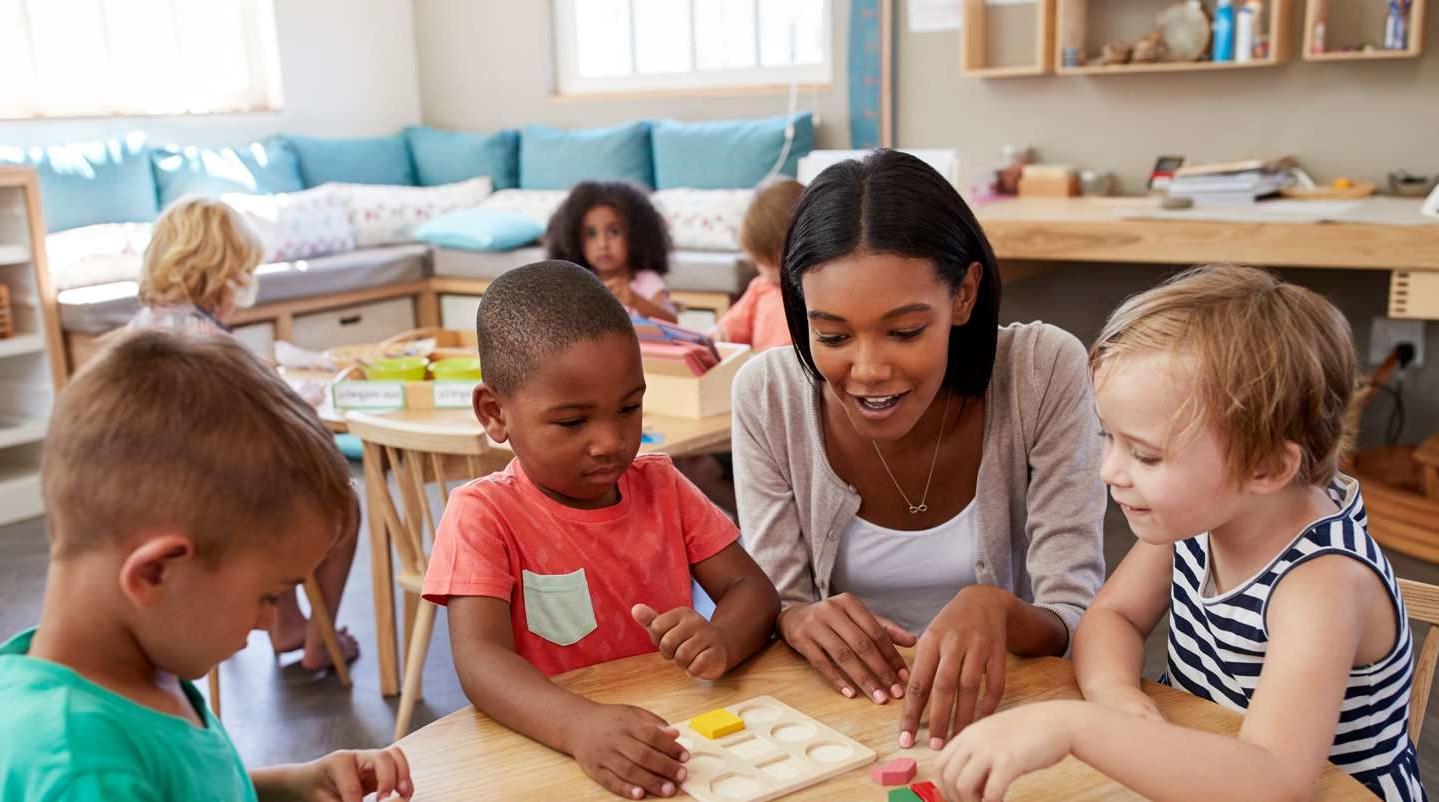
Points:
[[1217, 646]]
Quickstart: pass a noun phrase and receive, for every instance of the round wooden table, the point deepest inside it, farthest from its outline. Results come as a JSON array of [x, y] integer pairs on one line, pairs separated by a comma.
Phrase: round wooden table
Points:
[[466, 755]]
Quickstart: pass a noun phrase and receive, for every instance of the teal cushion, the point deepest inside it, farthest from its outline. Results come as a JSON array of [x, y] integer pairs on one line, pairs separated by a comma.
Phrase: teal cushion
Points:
[[556, 158], [369, 160], [445, 157], [86, 183], [480, 229], [733, 154], [260, 168], [350, 445]]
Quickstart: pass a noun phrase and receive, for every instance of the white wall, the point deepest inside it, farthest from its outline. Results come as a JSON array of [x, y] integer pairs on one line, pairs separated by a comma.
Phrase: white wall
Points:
[[347, 69]]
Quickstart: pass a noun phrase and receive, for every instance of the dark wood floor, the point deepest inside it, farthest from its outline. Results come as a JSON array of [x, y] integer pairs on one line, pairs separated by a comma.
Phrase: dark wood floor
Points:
[[279, 714]]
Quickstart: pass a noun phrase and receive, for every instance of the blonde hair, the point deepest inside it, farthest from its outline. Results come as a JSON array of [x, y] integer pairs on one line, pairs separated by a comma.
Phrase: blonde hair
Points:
[[1272, 363], [190, 433], [766, 221], [199, 246]]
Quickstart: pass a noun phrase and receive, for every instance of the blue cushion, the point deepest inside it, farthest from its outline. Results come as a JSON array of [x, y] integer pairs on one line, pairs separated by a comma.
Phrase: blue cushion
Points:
[[480, 229], [734, 154], [444, 157], [258, 168], [86, 183], [371, 160], [555, 158]]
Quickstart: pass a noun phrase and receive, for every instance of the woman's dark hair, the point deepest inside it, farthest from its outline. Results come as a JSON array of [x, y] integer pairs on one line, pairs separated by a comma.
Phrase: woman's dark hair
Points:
[[649, 238], [894, 203]]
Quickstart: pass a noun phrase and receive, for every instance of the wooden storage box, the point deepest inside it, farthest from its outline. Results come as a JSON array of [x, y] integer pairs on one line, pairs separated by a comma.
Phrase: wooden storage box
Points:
[[7, 321], [671, 389], [351, 390]]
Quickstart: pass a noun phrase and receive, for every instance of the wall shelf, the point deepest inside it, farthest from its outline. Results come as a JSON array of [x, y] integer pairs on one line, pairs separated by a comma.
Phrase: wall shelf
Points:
[[14, 254], [1370, 24], [976, 51], [1072, 31], [22, 344], [20, 432]]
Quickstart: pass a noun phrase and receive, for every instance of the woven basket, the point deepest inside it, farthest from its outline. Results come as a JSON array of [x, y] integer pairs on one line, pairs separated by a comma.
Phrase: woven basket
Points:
[[7, 321]]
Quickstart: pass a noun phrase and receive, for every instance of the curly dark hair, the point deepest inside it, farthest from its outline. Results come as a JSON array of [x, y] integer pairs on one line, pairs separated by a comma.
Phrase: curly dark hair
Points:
[[648, 237]]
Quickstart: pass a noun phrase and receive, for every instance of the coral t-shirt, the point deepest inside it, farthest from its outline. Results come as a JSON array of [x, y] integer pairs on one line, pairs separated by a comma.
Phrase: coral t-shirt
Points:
[[571, 576], [757, 318]]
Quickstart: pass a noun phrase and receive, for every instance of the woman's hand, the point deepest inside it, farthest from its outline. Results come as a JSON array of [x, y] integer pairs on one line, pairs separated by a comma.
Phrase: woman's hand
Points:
[[964, 647], [851, 646]]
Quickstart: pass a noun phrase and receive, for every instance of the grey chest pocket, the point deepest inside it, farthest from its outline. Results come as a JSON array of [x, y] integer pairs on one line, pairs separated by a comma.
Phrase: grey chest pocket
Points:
[[558, 606]]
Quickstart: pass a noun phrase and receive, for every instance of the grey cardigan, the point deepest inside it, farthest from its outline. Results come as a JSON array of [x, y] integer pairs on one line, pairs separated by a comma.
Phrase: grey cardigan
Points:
[[1041, 501]]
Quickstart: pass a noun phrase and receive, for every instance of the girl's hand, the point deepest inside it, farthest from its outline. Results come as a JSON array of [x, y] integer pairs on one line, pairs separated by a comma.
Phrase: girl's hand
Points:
[[963, 646], [630, 751], [981, 762], [851, 646], [1126, 699], [685, 637], [620, 287], [347, 776]]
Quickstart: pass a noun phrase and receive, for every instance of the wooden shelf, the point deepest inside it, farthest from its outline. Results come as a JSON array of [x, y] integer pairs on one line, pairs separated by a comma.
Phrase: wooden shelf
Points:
[[22, 344], [20, 493], [19, 432], [14, 255], [1072, 29], [1375, 11], [976, 51], [1165, 66]]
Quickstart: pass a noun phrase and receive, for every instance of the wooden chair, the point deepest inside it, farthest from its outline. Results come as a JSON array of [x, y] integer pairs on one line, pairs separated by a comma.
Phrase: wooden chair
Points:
[[1422, 602], [417, 455], [327, 633]]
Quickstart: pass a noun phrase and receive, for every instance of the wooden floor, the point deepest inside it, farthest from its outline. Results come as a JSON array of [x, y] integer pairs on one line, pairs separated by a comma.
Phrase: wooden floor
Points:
[[279, 714]]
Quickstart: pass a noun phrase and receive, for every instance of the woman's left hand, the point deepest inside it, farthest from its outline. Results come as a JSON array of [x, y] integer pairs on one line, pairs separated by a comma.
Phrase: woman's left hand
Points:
[[964, 647]]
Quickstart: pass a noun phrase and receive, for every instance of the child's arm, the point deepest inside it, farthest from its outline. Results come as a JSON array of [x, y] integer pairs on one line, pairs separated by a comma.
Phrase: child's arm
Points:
[[1317, 616], [746, 604], [628, 750], [1109, 644], [657, 307], [347, 776]]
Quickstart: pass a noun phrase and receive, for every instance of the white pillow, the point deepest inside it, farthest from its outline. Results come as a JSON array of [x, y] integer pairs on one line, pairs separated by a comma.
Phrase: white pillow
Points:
[[703, 219], [537, 204], [381, 214], [98, 254], [298, 225]]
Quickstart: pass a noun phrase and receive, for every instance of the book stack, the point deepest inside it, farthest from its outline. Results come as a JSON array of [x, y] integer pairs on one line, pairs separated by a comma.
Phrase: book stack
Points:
[[1232, 182], [665, 346]]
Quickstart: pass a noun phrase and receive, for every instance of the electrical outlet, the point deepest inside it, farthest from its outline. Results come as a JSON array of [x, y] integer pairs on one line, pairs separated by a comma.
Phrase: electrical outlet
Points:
[[1385, 333]]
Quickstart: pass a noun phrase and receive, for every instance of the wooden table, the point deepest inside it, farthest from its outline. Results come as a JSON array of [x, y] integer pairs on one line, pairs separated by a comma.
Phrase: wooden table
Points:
[[465, 755], [678, 437]]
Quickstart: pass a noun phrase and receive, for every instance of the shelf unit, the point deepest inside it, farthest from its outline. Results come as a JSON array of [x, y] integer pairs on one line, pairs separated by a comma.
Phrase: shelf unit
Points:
[[1317, 11], [28, 360], [1072, 30], [976, 50]]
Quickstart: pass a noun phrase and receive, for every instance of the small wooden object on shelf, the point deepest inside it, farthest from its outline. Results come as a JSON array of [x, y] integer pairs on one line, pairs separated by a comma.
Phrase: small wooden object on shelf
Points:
[[1320, 33], [1074, 28], [7, 323], [975, 53]]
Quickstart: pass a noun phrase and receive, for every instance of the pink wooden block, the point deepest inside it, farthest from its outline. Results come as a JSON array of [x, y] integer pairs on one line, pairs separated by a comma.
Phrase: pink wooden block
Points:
[[896, 772]]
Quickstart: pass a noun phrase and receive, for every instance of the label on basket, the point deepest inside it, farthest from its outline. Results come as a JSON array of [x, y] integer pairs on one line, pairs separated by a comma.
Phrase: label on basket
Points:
[[369, 395], [454, 395]]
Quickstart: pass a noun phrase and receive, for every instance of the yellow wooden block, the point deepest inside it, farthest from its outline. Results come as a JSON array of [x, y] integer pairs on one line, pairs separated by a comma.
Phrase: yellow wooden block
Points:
[[716, 724]]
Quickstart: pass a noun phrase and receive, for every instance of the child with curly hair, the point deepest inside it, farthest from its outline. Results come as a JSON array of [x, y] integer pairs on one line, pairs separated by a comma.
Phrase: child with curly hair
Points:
[[612, 229]]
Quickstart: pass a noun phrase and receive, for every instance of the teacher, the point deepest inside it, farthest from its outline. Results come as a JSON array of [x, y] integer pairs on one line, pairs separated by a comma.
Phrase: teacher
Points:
[[912, 471]]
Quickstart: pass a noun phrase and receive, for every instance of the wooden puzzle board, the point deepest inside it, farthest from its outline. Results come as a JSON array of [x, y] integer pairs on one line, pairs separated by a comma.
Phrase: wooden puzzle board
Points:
[[780, 751]]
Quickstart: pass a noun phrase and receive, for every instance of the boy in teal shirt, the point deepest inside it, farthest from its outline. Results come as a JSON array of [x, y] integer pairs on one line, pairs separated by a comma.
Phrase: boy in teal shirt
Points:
[[188, 488]]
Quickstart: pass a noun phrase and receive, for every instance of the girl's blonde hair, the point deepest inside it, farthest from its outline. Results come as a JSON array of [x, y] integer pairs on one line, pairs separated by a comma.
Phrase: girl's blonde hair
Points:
[[198, 247], [1271, 362]]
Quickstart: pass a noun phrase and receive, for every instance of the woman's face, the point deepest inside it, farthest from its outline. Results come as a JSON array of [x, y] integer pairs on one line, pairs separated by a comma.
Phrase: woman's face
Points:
[[879, 328]]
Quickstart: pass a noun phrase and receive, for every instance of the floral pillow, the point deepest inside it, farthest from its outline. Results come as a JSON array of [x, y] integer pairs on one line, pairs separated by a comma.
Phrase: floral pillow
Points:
[[538, 205], [98, 254], [298, 225], [382, 214], [703, 219]]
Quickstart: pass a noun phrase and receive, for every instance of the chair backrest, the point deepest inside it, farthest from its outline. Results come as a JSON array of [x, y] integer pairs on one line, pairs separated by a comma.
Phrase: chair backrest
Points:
[[417, 454], [1422, 602]]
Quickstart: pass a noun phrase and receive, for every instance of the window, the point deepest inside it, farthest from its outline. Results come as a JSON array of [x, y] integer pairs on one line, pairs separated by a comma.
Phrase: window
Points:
[[638, 45], [84, 58]]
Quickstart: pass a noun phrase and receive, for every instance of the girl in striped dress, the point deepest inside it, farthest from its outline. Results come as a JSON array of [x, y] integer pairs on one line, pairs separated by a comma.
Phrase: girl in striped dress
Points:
[[1222, 394]]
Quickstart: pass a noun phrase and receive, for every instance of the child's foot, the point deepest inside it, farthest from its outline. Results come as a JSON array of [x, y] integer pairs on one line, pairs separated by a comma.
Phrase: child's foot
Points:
[[290, 629], [318, 657]]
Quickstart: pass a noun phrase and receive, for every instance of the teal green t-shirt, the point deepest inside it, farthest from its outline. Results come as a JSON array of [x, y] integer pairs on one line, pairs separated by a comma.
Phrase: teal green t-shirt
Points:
[[63, 737]]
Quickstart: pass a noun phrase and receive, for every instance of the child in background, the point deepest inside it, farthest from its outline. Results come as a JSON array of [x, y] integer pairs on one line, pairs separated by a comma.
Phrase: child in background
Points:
[[1223, 395], [612, 229], [757, 318], [187, 489], [580, 552]]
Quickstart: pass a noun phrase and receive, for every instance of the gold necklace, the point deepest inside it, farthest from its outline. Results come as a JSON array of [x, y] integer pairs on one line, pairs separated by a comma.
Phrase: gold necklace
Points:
[[915, 509]]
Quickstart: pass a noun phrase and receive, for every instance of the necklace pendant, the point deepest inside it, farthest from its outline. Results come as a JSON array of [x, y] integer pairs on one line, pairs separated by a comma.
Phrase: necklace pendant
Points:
[[916, 509]]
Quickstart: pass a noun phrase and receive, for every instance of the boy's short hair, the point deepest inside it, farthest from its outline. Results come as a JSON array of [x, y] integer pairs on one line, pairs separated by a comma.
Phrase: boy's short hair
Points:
[[1271, 362], [198, 247], [534, 311], [191, 433], [766, 221]]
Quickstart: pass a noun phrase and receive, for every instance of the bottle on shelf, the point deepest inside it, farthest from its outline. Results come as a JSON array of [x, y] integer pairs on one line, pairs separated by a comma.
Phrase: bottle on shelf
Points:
[[1244, 24], [1223, 48], [1396, 34]]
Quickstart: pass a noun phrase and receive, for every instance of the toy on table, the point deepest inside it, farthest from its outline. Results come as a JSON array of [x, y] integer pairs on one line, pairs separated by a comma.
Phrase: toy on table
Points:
[[904, 795], [927, 791], [779, 751], [896, 772], [717, 724]]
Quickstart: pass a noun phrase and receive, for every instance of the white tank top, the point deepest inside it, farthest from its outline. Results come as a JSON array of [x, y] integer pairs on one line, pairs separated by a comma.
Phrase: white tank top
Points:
[[908, 576]]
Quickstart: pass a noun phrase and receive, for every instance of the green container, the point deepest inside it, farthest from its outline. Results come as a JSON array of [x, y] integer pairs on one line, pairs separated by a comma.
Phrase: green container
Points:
[[459, 368], [397, 369]]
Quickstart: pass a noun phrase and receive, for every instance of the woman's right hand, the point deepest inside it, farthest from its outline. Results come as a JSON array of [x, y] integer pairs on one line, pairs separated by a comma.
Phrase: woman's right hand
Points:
[[851, 646]]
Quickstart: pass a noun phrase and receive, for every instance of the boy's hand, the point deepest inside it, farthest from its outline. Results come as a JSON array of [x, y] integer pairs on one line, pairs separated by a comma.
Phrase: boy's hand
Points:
[[1126, 699], [684, 636], [629, 751], [984, 758], [348, 775]]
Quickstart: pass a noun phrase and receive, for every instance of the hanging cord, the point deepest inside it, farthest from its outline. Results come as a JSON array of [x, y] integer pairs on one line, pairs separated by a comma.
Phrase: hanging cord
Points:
[[791, 114]]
